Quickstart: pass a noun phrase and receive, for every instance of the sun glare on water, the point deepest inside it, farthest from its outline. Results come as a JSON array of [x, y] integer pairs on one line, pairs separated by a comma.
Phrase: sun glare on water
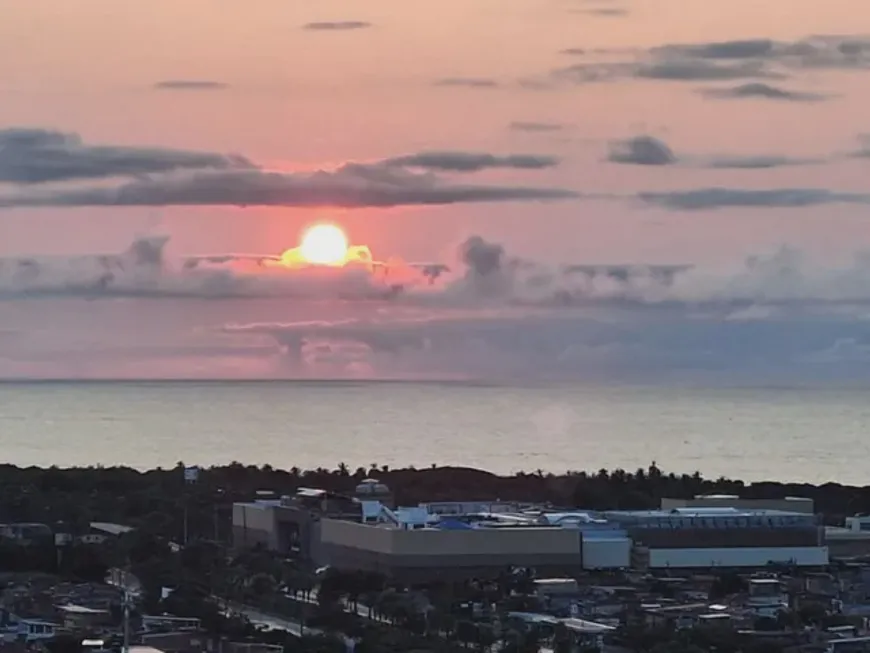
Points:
[[324, 244]]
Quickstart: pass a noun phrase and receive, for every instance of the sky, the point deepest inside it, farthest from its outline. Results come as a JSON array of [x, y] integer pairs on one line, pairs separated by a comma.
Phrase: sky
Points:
[[512, 140]]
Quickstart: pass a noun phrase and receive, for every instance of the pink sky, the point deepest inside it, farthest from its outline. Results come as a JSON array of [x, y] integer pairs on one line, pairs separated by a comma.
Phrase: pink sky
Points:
[[299, 97], [300, 104]]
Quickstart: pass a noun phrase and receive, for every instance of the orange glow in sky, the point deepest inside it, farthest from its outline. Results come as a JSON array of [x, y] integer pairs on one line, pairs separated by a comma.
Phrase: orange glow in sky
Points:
[[325, 244]]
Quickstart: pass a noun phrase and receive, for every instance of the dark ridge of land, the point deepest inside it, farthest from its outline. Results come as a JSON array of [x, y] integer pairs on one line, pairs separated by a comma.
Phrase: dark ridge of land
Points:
[[156, 500]]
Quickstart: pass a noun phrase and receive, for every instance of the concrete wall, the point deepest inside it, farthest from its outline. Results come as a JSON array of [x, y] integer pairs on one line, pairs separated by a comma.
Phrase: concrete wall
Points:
[[723, 538], [607, 553], [254, 525], [740, 557], [424, 554], [345, 533], [484, 542]]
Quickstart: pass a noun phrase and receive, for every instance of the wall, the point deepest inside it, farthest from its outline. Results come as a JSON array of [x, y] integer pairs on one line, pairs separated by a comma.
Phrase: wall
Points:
[[424, 554], [253, 524], [723, 538], [346, 533], [740, 557], [484, 542], [606, 553]]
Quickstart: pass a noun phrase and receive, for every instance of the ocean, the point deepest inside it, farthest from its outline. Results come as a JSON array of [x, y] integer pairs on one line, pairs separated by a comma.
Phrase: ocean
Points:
[[766, 433]]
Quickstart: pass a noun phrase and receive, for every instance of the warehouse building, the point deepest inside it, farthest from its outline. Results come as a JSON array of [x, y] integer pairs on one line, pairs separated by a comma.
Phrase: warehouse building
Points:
[[478, 539], [802, 505], [722, 537]]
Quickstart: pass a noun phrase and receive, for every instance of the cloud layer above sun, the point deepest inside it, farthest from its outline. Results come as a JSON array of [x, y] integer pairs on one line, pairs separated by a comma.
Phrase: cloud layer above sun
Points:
[[42, 168]]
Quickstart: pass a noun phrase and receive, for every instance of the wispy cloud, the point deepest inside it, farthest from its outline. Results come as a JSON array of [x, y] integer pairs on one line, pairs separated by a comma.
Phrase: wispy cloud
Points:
[[823, 51], [641, 150], [531, 126], [760, 91], [689, 70], [34, 156], [756, 59], [351, 186], [336, 25], [190, 85], [162, 177], [650, 151], [609, 12], [705, 199], [469, 82], [863, 151], [473, 161]]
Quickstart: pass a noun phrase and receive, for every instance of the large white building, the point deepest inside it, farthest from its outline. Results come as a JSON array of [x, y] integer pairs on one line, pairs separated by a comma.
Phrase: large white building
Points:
[[686, 538], [480, 538]]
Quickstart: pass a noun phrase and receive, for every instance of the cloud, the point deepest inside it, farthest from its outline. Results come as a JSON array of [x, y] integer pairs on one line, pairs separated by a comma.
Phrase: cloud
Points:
[[650, 151], [351, 185], [863, 152], [469, 82], [823, 51], [190, 85], [705, 199], [762, 92], [530, 126], [483, 274], [604, 11], [767, 317], [663, 69], [755, 59], [163, 177], [338, 25], [35, 156], [641, 150], [496, 315], [758, 162], [472, 161]]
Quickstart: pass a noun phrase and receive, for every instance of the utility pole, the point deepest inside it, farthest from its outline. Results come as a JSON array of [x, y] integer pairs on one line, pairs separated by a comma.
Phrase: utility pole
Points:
[[126, 647], [184, 534], [127, 600]]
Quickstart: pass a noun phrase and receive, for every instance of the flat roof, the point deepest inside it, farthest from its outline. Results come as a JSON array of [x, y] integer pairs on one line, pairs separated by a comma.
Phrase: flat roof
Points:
[[840, 533], [108, 527], [583, 626], [725, 511], [534, 617], [80, 609]]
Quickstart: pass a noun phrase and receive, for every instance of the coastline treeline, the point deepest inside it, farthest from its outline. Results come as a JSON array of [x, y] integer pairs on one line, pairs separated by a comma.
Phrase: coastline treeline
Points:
[[160, 501]]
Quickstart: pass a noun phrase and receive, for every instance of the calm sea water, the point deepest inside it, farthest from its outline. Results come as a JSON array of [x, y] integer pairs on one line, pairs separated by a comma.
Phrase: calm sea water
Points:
[[771, 433]]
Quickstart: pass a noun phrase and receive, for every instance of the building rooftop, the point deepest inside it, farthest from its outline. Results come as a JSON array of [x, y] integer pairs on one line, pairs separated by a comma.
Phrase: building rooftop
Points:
[[702, 511], [111, 529], [79, 609]]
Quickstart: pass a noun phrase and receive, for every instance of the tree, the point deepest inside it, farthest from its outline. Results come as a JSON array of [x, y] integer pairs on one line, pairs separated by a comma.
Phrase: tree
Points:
[[727, 584]]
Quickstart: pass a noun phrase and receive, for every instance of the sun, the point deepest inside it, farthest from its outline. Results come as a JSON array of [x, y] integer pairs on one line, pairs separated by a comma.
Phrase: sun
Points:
[[324, 244]]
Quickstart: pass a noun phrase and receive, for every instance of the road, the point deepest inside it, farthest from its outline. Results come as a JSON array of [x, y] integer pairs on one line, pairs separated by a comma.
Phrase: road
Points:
[[268, 621]]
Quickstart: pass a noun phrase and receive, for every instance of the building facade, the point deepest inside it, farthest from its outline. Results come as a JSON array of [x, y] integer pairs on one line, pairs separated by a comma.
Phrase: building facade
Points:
[[417, 554], [722, 537], [479, 539]]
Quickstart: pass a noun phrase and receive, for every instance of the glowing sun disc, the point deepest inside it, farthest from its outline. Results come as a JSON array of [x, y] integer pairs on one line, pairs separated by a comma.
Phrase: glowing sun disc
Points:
[[324, 244]]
